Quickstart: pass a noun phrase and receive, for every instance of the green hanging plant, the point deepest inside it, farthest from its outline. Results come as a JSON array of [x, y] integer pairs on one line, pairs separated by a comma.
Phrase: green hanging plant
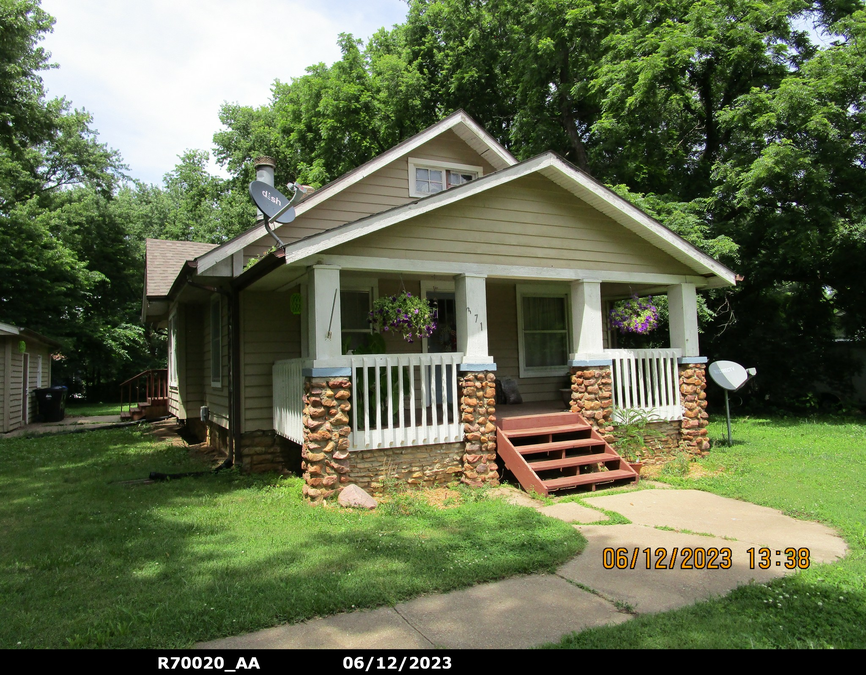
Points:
[[407, 314]]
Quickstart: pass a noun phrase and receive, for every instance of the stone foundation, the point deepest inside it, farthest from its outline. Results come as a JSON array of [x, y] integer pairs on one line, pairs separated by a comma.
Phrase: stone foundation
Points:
[[478, 414], [417, 466], [327, 404], [259, 451], [263, 451]]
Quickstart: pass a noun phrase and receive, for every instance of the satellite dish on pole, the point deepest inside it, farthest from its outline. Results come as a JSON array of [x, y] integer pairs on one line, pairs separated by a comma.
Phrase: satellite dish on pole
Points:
[[273, 203], [730, 376]]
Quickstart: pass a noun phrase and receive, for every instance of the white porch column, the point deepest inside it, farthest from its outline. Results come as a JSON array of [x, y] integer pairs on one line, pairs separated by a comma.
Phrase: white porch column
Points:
[[683, 310], [586, 319], [323, 322], [470, 294]]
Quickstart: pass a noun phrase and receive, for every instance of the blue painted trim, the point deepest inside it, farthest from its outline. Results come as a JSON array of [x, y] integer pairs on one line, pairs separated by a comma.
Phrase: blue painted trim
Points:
[[590, 362], [692, 359], [477, 367], [327, 372]]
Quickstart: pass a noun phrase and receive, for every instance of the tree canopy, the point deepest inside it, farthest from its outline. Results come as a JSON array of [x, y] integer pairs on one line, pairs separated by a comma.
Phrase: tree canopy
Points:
[[728, 120]]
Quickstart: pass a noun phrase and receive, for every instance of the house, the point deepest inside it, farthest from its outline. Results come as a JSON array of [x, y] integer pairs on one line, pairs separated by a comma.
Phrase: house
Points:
[[521, 258], [25, 366]]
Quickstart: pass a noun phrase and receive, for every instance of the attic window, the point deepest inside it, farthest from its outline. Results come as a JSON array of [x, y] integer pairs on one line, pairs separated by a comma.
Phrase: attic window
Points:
[[427, 177]]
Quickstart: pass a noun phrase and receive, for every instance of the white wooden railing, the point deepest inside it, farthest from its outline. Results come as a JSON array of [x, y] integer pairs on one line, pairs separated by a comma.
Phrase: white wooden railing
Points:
[[647, 379], [400, 400], [288, 387]]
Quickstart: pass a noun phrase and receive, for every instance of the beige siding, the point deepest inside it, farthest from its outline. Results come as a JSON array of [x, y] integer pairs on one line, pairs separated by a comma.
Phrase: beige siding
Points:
[[269, 333], [194, 370], [15, 385], [5, 383], [529, 222], [384, 189], [503, 344], [216, 398], [185, 399], [12, 397]]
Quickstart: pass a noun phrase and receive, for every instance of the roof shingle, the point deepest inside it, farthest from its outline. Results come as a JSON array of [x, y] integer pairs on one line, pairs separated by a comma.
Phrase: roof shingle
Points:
[[165, 259]]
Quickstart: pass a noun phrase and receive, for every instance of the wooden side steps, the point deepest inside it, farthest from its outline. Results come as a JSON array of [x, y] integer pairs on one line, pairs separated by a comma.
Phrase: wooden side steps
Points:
[[558, 451], [152, 409]]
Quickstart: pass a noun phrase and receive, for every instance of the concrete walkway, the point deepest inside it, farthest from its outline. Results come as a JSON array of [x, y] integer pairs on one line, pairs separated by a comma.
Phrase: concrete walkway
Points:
[[528, 611], [68, 424]]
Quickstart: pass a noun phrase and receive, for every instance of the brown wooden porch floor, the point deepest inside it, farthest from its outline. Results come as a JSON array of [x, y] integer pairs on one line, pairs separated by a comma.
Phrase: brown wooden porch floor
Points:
[[532, 408]]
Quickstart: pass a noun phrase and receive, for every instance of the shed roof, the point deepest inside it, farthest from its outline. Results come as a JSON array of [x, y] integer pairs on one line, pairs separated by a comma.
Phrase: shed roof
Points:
[[164, 260]]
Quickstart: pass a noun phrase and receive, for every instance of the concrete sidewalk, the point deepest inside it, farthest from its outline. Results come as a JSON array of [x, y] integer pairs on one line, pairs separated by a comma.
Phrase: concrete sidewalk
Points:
[[68, 425], [527, 611]]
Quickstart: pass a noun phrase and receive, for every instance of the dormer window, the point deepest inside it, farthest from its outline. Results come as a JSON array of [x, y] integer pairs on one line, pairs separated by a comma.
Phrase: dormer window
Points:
[[427, 177]]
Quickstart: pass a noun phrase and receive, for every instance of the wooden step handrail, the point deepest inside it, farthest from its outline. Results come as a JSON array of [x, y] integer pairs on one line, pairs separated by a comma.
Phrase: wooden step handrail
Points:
[[155, 386]]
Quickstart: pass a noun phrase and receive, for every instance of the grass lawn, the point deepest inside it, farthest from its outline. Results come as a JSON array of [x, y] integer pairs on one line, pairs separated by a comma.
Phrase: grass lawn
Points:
[[813, 469], [90, 562], [76, 408]]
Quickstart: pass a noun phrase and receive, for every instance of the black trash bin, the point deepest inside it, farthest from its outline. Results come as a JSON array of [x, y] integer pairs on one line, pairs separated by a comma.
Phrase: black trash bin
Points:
[[51, 403]]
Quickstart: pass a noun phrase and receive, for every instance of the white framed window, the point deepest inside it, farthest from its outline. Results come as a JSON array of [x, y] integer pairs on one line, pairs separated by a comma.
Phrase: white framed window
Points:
[[216, 334], [356, 301], [172, 349], [427, 177], [543, 330]]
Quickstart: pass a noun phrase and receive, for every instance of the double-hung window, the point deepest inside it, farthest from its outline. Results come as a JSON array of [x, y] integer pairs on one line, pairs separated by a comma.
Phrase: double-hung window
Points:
[[542, 330], [427, 177]]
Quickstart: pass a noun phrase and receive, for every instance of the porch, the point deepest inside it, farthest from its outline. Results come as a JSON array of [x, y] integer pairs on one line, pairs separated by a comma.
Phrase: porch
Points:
[[439, 409], [402, 400]]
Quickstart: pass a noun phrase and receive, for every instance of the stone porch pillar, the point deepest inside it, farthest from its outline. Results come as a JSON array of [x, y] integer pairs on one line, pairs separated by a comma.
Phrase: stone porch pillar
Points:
[[693, 386], [325, 452], [592, 394], [477, 392]]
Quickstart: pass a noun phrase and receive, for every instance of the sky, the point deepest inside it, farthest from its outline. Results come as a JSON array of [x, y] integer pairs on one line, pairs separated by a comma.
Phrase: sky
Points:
[[154, 73]]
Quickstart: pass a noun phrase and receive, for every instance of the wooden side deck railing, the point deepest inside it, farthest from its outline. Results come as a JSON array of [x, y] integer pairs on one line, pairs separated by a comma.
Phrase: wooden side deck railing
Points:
[[153, 383]]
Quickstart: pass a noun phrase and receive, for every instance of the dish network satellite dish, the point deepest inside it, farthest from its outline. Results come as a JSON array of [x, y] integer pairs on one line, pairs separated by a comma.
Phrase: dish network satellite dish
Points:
[[730, 376], [274, 205]]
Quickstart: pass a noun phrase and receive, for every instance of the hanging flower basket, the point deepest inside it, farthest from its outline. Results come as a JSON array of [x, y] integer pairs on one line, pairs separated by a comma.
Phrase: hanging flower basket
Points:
[[409, 315], [635, 315]]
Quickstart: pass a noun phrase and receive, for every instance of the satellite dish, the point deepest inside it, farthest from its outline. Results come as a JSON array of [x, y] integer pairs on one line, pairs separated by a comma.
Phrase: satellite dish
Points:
[[273, 203], [730, 376]]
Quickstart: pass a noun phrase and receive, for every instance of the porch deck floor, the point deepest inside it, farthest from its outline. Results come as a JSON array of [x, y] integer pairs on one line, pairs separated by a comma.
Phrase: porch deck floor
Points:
[[531, 408]]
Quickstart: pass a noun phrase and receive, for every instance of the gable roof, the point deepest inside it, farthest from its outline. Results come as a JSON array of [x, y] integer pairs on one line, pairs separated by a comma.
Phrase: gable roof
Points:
[[553, 167], [459, 122], [163, 261], [8, 330]]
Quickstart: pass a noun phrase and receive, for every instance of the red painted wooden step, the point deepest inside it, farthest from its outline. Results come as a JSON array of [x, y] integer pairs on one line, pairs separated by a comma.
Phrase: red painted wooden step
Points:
[[566, 458]]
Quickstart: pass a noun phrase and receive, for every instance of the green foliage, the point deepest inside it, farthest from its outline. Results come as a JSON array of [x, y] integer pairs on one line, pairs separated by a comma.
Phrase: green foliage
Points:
[[635, 438]]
